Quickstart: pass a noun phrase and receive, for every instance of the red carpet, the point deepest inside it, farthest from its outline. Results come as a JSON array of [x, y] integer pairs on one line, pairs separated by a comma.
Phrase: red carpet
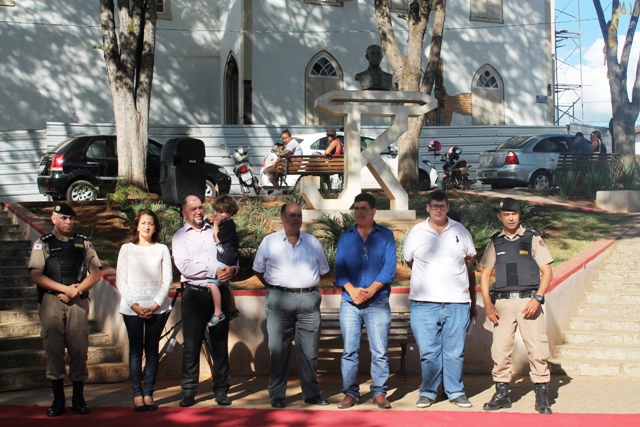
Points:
[[11, 416]]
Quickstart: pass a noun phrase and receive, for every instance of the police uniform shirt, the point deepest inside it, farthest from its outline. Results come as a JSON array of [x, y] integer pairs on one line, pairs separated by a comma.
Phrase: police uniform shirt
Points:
[[539, 250], [40, 253]]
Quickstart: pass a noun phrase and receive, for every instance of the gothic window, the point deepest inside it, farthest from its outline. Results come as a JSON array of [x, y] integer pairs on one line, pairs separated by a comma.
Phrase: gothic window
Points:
[[323, 68], [487, 80]]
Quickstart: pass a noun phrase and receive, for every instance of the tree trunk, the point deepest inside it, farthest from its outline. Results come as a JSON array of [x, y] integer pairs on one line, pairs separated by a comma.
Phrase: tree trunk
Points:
[[129, 59], [625, 111], [408, 71]]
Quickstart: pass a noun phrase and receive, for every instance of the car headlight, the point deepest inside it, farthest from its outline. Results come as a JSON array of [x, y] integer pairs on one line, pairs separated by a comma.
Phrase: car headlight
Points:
[[223, 171]]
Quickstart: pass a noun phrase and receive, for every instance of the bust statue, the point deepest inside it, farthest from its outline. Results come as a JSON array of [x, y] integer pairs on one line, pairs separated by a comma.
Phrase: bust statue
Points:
[[373, 78]]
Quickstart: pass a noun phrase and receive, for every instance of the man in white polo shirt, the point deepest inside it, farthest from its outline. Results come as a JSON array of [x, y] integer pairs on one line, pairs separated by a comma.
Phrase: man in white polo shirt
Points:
[[289, 263], [442, 294]]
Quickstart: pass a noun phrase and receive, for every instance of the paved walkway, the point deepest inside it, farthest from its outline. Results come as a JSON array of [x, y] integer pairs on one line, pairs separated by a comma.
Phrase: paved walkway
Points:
[[582, 395]]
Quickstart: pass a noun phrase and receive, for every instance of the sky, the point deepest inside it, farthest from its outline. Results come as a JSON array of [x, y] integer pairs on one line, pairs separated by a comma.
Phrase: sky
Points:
[[596, 100]]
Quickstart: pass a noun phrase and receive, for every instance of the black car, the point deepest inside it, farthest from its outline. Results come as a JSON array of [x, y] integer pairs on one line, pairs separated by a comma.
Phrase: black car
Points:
[[81, 168]]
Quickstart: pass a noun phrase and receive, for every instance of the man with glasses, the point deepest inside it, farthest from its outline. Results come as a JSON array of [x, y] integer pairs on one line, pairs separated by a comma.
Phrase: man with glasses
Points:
[[439, 252], [289, 263], [365, 269], [291, 147]]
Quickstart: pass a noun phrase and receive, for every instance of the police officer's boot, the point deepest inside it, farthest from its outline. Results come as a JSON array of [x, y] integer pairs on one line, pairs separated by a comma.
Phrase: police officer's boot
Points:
[[500, 398], [542, 399], [78, 405], [57, 406]]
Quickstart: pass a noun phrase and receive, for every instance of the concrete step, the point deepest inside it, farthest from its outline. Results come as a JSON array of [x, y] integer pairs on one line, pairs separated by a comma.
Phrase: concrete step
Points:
[[622, 298], [5, 220], [25, 329], [628, 263], [19, 304], [18, 378], [9, 253], [18, 292], [600, 323], [621, 275], [626, 252], [12, 236], [594, 367], [34, 342], [29, 358], [9, 228], [588, 336], [619, 352], [615, 287], [14, 260], [13, 270], [15, 244], [609, 310], [15, 281], [18, 316]]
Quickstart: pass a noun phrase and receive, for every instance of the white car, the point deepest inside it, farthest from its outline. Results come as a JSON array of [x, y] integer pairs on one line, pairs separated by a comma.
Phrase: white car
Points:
[[316, 143]]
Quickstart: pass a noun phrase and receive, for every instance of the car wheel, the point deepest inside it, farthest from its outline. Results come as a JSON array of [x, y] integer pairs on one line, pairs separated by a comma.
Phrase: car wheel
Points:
[[425, 181], [81, 191], [211, 190], [540, 179]]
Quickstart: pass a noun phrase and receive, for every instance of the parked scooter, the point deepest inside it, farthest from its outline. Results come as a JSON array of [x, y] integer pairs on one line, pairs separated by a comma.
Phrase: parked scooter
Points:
[[455, 170], [244, 173]]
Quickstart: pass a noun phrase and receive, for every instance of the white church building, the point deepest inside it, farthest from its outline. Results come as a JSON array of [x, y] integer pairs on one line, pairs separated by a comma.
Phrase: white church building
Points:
[[264, 62]]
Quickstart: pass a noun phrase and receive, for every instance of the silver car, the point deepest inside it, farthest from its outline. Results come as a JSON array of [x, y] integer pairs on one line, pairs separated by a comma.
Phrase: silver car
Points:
[[525, 160]]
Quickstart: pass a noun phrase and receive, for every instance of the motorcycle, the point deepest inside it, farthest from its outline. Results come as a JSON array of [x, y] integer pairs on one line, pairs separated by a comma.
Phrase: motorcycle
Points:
[[455, 170], [243, 171]]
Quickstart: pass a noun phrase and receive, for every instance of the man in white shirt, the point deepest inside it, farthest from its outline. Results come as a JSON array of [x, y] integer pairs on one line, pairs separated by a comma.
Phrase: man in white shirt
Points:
[[289, 263], [442, 294], [292, 147]]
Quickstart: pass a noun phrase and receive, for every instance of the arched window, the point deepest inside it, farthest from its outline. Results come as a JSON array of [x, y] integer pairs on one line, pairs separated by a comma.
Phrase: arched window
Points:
[[323, 68], [231, 91], [487, 80], [487, 97], [323, 74]]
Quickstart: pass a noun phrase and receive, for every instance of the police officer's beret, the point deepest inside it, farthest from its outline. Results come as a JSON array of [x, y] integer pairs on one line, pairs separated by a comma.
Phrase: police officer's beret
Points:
[[64, 209], [509, 204]]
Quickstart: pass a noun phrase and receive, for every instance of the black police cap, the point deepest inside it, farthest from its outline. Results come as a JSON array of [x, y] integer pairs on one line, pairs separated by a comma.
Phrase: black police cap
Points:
[[509, 204], [64, 209]]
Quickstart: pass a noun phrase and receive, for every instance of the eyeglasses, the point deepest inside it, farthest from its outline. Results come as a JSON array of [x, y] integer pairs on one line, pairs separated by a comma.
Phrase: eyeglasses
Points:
[[438, 207]]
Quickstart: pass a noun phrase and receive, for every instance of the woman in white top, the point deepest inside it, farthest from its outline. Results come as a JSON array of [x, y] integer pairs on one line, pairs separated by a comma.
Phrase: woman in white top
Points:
[[144, 278]]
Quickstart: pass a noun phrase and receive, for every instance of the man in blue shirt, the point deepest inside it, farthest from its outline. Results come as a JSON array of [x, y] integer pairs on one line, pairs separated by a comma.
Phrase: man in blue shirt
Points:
[[365, 268], [581, 145]]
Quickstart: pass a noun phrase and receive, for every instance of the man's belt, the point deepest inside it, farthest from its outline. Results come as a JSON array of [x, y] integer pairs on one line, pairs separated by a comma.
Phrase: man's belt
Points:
[[514, 295], [198, 288], [292, 290]]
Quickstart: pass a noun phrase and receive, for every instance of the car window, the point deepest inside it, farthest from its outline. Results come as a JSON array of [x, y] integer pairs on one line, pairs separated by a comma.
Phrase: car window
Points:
[[101, 148], [516, 142], [60, 148], [365, 142], [153, 148], [320, 144], [541, 146], [557, 145]]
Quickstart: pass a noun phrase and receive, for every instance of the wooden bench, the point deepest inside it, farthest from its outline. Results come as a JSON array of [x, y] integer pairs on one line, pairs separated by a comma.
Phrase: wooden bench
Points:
[[573, 161], [400, 334], [311, 165]]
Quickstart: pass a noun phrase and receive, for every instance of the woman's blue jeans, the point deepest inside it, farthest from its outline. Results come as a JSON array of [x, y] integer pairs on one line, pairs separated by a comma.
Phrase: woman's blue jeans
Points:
[[144, 334]]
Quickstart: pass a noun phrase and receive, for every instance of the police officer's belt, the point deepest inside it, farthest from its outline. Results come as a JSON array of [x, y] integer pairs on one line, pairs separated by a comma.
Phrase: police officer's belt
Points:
[[514, 295]]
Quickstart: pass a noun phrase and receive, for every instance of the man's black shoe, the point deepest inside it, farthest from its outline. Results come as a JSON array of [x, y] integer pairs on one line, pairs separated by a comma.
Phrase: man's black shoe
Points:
[[542, 399], [277, 403], [56, 409], [500, 398], [187, 401], [222, 399], [318, 400], [79, 406]]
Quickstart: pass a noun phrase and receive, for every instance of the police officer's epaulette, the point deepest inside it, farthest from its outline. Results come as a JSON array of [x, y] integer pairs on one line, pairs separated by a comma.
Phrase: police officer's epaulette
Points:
[[496, 235], [81, 236], [46, 237], [535, 232]]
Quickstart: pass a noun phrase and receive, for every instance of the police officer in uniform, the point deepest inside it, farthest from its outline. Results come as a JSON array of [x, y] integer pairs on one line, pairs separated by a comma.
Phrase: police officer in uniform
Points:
[[523, 273], [59, 264]]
